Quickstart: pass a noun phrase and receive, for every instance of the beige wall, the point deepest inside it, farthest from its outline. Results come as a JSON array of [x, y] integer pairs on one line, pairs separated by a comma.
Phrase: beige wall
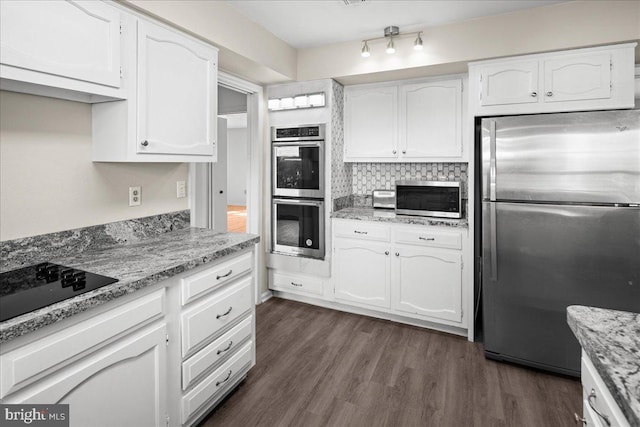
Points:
[[448, 48], [48, 182], [246, 49]]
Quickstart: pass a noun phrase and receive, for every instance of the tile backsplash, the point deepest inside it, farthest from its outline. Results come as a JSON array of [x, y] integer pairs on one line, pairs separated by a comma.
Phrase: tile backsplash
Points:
[[370, 176]]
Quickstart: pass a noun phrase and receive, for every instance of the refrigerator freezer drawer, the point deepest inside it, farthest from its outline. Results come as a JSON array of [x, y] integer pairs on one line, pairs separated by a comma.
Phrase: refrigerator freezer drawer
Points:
[[543, 258]]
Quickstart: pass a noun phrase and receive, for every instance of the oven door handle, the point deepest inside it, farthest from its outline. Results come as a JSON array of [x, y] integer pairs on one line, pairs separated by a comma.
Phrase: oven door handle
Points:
[[312, 143], [317, 203]]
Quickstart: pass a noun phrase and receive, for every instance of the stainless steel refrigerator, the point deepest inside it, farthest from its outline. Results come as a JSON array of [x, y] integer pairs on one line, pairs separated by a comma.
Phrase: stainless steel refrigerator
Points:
[[560, 226]]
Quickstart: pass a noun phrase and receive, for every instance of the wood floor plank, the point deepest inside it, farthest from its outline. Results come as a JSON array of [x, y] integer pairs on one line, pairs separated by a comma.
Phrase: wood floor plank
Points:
[[321, 367]]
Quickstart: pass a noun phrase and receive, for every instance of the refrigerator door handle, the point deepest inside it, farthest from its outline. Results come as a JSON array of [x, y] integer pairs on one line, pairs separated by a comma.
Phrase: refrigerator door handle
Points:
[[493, 253], [492, 161]]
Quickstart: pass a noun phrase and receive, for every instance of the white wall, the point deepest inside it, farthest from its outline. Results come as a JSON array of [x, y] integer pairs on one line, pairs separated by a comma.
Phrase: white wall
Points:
[[48, 182], [448, 48], [237, 165]]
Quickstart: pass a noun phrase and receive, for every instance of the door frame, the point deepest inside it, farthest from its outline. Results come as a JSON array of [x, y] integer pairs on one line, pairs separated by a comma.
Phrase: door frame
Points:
[[200, 192]]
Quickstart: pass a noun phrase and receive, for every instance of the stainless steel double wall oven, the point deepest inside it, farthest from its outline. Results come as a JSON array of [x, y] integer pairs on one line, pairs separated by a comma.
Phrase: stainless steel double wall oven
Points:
[[298, 190]]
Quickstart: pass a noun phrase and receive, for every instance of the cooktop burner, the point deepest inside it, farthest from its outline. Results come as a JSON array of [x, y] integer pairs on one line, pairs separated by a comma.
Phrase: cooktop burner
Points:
[[37, 286]]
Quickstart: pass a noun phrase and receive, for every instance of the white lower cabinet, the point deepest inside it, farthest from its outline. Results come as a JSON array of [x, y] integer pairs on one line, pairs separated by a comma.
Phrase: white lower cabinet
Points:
[[217, 335], [599, 407], [133, 370], [361, 272], [428, 282], [143, 360], [406, 270], [73, 366]]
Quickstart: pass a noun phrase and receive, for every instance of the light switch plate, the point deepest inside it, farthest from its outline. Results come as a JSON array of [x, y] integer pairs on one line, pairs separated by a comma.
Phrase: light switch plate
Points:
[[181, 189]]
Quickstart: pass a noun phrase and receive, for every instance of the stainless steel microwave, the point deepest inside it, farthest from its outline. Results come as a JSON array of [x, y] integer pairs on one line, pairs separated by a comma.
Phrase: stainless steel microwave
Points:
[[429, 198]]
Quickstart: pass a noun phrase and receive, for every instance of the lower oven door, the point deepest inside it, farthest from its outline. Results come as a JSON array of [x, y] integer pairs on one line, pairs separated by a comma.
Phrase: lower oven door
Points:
[[298, 227]]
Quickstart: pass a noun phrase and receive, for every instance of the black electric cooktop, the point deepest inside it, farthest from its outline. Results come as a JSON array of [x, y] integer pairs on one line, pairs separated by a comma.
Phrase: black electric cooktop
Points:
[[37, 286]]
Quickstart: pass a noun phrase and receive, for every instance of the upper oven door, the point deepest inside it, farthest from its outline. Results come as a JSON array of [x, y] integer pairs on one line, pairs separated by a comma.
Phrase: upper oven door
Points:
[[298, 169]]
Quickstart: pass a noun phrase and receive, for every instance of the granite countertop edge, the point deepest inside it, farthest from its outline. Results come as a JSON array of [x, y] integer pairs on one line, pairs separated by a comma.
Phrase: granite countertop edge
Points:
[[32, 321], [614, 351], [387, 215]]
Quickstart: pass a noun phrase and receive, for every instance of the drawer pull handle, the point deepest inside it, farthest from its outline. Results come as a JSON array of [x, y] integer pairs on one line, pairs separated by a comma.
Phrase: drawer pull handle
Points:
[[226, 349], [579, 419], [428, 239], [224, 275], [296, 284], [360, 232], [224, 380], [592, 395], [225, 314]]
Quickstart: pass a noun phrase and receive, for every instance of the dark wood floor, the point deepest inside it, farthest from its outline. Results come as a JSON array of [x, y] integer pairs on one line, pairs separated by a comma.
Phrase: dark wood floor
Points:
[[320, 367]]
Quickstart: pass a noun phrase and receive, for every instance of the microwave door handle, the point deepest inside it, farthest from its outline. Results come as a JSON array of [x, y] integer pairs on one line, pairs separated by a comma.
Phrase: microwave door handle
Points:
[[492, 161]]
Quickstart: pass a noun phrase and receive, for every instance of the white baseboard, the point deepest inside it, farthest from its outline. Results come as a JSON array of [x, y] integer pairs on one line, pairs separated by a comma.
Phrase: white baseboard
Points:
[[266, 295]]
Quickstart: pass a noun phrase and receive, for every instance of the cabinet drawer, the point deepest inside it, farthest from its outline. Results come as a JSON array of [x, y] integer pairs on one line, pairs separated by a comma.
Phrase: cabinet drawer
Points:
[[197, 285], [217, 382], [287, 282], [429, 237], [215, 352], [208, 318], [362, 230], [603, 400], [24, 363]]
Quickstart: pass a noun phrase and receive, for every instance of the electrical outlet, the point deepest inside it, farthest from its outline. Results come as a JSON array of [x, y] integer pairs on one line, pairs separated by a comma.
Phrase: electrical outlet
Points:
[[135, 196], [181, 189]]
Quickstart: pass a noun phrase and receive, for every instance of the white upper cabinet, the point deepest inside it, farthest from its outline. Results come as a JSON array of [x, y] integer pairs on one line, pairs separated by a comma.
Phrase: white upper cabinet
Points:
[[177, 93], [171, 113], [576, 80], [510, 83], [430, 124], [417, 121], [371, 123], [577, 77], [72, 46]]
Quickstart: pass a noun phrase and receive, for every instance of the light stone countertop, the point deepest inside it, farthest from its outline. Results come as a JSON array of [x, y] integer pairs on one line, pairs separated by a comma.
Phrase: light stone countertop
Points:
[[388, 215], [136, 265], [611, 339]]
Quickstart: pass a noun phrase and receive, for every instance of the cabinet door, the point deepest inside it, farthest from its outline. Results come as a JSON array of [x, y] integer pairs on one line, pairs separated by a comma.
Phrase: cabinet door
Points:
[[428, 282], [370, 124], [177, 93], [121, 385], [361, 272], [79, 40], [577, 77], [510, 83], [430, 120]]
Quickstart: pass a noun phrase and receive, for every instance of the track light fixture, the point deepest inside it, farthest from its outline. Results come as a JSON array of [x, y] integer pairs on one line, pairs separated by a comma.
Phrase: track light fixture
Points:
[[390, 33]]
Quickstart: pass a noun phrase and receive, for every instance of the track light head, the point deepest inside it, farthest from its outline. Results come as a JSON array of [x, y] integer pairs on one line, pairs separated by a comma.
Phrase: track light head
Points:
[[417, 45], [365, 50], [391, 49]]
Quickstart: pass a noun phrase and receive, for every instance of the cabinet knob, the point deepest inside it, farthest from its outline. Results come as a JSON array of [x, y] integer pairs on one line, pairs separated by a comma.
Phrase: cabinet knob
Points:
[[549, 93], [394, 151], [397, 253], [144, 143], [404, 151], [534, 94], [386, 252]]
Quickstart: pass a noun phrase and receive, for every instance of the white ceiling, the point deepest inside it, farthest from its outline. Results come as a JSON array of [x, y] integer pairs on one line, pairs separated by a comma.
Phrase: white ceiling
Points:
[[309, 23]]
